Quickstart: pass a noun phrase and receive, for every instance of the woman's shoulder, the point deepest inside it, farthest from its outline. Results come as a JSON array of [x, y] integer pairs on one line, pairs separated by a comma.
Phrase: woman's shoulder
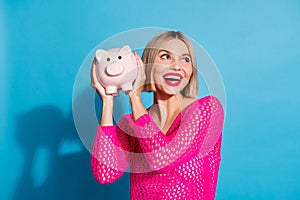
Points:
[[209, 99], [206, 101]]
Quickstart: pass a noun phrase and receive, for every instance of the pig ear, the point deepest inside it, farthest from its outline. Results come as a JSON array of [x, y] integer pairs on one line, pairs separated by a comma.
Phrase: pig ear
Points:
[[125, 49], [100, 53]]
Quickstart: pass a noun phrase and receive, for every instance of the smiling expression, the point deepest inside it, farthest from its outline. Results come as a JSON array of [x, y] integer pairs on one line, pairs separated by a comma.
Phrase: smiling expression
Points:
[[173, 67]]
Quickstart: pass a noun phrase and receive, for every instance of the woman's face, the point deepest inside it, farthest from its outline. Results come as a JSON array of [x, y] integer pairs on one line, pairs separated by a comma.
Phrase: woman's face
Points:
[[172, 67]]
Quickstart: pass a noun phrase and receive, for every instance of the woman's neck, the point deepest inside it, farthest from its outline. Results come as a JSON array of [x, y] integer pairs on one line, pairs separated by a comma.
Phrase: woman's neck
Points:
[[166, 108], [170, 102]]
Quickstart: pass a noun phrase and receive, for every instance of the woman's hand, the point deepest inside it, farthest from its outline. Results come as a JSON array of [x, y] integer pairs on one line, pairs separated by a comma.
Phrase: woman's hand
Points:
[[139, 82], [107, 100], [97, 85], [137, 107]]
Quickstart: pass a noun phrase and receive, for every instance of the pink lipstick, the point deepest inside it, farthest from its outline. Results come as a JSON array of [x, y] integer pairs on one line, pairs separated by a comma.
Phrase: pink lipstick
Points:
[[172, 79]]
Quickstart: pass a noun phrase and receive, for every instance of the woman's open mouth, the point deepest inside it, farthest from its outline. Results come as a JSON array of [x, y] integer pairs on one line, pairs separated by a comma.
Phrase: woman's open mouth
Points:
[[172, 79]]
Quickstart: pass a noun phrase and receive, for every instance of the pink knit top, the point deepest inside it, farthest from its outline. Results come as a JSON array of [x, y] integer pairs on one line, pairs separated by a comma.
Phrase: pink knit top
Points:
[[181, 164]]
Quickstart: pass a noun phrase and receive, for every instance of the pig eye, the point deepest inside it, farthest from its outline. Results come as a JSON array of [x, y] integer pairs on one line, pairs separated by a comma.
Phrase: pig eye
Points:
[[119, 57], [107, 59]]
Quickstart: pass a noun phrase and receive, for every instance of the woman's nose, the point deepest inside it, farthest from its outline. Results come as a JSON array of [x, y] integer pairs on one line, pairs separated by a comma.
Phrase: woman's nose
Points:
[[175, 65]]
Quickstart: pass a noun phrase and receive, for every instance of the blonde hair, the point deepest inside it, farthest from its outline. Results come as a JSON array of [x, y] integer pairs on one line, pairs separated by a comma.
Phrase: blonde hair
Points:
[[150, 53]]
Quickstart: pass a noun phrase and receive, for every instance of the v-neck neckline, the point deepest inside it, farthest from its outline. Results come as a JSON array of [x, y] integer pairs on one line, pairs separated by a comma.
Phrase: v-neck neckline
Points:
[[170, 131]]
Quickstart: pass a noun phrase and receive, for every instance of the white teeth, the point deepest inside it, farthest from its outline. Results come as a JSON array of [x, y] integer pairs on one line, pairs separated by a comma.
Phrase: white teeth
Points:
[[175, 78]]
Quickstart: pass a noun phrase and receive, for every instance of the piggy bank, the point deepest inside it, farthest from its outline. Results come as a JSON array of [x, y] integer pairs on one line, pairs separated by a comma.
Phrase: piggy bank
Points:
[[116, 69]]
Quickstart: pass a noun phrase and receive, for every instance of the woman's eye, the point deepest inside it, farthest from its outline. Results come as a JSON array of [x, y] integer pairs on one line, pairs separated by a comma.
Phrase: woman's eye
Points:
[[165, 56], [187, 59]]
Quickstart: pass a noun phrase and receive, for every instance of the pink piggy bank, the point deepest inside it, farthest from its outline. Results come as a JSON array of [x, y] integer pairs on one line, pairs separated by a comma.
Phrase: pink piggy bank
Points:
[[116, 69]]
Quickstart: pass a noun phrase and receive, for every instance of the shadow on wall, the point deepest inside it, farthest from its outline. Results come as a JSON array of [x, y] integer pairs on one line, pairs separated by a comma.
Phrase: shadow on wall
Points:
[[56, 165]]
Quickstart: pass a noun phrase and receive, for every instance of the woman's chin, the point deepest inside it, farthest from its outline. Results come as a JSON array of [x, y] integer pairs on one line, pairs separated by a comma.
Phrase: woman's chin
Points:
[[167, 90]]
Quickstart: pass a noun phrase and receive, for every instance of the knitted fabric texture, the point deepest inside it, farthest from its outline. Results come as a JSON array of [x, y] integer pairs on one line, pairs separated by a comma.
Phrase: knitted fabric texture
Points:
[[180, 164]]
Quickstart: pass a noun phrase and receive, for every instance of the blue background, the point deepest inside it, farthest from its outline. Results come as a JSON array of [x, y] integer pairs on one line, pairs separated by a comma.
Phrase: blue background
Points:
[[255, 45]]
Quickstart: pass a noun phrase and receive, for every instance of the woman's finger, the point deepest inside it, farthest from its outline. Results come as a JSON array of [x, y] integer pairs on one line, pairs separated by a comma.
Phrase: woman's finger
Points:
[[94, 78], [94, 73], [138, 59]]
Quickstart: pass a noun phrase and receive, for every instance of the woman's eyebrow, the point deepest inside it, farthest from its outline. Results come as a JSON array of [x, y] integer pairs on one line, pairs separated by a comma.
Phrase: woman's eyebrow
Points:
[[185, 54], [164, 50]]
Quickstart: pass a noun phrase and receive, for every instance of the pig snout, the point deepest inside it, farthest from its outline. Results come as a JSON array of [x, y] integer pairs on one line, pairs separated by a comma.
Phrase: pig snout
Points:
[[114, 69]]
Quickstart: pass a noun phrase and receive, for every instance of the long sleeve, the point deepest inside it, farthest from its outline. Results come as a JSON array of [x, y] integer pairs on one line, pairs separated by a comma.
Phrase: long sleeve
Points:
[[109, 160], [198, 132], [212, 165]]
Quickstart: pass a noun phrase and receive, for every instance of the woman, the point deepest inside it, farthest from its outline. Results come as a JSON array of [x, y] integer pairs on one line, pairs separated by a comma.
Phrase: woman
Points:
[[173, 147]]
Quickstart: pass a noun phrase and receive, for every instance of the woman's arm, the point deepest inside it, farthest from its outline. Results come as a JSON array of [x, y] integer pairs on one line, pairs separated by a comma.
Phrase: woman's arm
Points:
[[212, 164], [109, 160], [107, 113], [107, 100]]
